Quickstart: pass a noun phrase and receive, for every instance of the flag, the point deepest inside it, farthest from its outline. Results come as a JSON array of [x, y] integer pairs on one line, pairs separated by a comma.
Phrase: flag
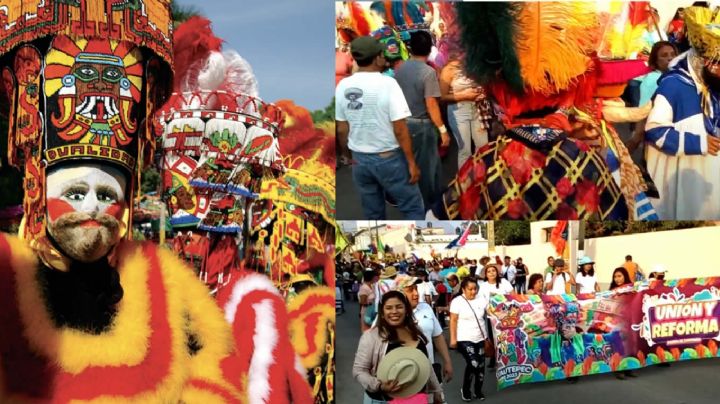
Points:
[[341, 243], [380, 246], [461, 240], [559, 235]]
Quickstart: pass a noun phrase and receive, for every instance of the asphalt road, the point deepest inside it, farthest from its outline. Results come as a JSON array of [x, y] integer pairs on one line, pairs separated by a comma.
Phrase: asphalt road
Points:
[[691, 382], [348, 201]]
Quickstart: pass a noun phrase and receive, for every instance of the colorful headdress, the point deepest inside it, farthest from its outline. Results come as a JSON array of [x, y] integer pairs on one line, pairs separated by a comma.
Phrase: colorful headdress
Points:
[[395, 48], [297, 219], [81, 77], [405, 17], [703, 28], [541, 51], [219, 143]]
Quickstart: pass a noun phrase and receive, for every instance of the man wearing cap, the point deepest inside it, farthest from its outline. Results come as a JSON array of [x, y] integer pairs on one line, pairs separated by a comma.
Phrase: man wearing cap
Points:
[[370, 113], [683, 127], [559, 281], [420, 85], [427, 322]]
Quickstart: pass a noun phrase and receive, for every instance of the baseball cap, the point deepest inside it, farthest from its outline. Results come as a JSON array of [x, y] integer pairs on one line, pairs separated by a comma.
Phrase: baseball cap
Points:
[[365, 47], [404, 281]]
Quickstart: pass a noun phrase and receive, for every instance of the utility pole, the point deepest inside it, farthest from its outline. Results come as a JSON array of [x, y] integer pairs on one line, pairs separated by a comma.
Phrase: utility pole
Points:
[[491, 236]]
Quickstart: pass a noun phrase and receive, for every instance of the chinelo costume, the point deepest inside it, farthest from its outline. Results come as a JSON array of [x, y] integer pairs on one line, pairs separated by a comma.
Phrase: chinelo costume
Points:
[[558, 157], [89, 315], [686, 112], [293, 234]]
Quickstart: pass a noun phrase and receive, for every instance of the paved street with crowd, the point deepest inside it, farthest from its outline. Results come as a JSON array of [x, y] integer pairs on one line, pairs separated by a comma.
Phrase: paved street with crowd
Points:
[[691, 382]]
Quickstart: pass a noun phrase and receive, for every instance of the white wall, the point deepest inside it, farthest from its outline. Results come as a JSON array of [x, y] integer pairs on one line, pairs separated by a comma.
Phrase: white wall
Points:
[[684, 253]]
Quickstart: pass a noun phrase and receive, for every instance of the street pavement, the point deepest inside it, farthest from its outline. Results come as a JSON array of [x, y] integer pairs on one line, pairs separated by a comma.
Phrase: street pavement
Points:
[[690, 382], [348, 200]]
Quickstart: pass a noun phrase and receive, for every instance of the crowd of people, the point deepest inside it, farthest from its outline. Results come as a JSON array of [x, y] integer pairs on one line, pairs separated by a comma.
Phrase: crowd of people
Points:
[[409, 302], [402, 95]]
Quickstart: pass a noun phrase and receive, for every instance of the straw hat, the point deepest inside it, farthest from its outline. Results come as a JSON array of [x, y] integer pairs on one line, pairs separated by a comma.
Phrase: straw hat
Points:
[[409, 366], [389, 272]]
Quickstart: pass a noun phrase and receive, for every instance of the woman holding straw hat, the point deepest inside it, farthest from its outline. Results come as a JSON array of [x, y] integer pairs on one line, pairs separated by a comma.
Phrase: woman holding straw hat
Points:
[[395, 330]]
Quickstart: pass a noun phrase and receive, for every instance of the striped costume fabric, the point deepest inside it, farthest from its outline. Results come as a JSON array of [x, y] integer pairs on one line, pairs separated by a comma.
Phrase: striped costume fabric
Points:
[[250, 361]]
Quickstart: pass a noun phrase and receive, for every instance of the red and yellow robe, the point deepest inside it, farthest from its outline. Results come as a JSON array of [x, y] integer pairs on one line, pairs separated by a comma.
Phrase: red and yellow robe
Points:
[[144, 357]]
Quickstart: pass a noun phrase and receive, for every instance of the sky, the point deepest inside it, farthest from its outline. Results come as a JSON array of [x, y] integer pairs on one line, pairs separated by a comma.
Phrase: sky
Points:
[[288, 43]]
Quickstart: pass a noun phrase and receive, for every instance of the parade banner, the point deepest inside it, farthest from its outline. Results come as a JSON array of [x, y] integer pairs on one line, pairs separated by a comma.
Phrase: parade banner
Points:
[[544, 338]]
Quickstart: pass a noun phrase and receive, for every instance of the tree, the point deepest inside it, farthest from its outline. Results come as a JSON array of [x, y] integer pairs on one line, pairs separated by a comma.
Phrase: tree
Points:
[[150, 180], [324, 115], [181, 13], [512, 232]]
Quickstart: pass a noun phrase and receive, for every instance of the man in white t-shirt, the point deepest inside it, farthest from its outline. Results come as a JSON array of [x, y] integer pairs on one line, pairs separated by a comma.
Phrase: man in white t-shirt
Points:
[[508, 271], [426, 321], [558, 282], [426, 289], [370, 115]]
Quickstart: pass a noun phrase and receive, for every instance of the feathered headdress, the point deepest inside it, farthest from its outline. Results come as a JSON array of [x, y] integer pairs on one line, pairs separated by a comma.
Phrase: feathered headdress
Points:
[[703, 28], [219, 142]]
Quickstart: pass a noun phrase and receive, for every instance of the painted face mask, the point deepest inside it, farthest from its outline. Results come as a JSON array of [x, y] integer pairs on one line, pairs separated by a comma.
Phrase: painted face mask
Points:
[[86, 210], [80, 78]]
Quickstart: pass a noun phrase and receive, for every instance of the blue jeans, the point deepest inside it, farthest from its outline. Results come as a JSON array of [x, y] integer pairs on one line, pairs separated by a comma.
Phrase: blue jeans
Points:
[[465, 123], [425, 137], [377, 174]]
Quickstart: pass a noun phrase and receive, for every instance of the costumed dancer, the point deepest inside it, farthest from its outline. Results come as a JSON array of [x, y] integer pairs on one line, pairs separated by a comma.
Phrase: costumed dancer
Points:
[[292, 235], [219, 143], [682, 130], [543, 166], [87, 314]]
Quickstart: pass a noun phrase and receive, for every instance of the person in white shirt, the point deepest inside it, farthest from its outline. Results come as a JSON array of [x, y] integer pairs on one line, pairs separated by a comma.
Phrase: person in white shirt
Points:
[[468, 333], [370, 115], [426, 289], [556, 282], [494, 284], [426, 321], [585, 279], [508, 271]]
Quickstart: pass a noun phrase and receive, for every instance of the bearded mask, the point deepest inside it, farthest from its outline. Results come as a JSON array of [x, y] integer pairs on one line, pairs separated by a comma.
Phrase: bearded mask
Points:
[[79, 94]]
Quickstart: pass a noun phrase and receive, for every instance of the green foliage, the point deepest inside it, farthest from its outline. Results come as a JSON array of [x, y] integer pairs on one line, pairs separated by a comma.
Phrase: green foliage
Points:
[[512, 232], [612, 228], [324, 115], [150, 180], [182, 13]]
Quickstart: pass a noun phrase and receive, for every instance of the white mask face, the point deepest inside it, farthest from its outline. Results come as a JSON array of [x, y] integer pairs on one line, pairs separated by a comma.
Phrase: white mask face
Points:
[[86, 209]]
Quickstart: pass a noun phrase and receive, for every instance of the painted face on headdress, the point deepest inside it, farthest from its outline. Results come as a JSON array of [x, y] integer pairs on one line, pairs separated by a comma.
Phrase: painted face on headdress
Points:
[[86, 209], [93, 90]]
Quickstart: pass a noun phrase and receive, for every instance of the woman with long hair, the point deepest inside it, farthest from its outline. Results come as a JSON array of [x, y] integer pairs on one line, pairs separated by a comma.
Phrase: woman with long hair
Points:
[[494, 284], [395, 328], [468, 333], [620, 278], [367, 295], [585, 279]]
